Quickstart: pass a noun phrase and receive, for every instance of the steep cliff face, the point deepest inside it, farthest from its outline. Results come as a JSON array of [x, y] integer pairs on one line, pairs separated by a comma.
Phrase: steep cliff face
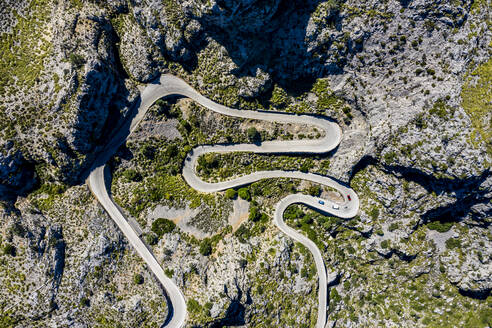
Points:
[[283, 39], [408, 82], [63, 88]]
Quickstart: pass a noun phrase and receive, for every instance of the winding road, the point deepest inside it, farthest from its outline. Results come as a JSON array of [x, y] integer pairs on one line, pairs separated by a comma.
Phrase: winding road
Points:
[[170, 85]]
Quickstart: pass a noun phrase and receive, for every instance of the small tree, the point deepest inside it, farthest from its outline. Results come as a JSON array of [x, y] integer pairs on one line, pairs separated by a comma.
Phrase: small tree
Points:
[[10, 249], [148, 151], [151, 239], [162, 226], [206, 247], [194, 306], [77, 60], [385, 244], [172, 150], [254, 214], [243, 263], [253, 134], [163, 107], [138, 279], [244, 194], [243, 234], [84, 301], [314, 190], [230, 193], [453, 243], [393, 226], [374, 213], [132, 175], [280, 98], [169, 272]]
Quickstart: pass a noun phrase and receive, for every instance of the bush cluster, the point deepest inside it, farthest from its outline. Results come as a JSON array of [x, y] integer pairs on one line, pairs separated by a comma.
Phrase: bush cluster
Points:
[[162, 226], [244, 194]]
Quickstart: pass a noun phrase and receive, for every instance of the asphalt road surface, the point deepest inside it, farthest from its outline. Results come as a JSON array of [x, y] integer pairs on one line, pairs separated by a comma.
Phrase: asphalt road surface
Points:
[[170, 85]]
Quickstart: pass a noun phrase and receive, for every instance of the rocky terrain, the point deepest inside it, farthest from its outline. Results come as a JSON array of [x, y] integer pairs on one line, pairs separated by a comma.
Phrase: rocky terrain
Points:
[[408, 81]]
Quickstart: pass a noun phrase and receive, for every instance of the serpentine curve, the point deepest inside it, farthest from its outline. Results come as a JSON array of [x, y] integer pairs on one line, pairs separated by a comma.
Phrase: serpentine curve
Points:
[[170, 85]]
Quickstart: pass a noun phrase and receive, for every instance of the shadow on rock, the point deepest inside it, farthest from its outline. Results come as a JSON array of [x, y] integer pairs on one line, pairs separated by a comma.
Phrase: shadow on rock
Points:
[[279, 38]]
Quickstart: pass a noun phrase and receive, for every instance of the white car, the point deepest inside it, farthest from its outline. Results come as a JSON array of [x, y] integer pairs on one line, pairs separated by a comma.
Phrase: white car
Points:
[[335, 207]]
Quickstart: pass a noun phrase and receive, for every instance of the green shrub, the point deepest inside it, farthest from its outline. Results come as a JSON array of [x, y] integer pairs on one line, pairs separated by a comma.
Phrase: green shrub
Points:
[[194, 306], [385, 243], [254, 213], [293, 212], [430, 71], [253, 134], [206, 247], [244, 194], [132, 175], [440, 226], [77, 60], [280, 98], [452, 243], [429, 25], [314, 190], [169, 272], [151, 239], [334, 296], [138, 279], [306, 165], [389, 157], [209, 161], [393, 226], [9, 249], [439, 109], [308, 219], [420, 121], [374, 213], [230, 194], [172, 150], [326, 98], [185, 125], [243, 234], [161, 226], [476, 98], [84, 301], [148, 151]]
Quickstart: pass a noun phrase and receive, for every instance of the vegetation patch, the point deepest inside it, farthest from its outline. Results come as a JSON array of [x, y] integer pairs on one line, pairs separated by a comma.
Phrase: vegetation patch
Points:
[[161, 226], [476, 99], [453, 243], [440, 226], [24, 50], [206, 247], [244, 194]]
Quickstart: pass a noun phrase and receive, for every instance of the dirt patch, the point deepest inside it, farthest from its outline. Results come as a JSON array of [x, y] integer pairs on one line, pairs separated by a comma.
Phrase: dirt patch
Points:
[[181, 217], [240, 213], [333, 196], [440, 238]]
